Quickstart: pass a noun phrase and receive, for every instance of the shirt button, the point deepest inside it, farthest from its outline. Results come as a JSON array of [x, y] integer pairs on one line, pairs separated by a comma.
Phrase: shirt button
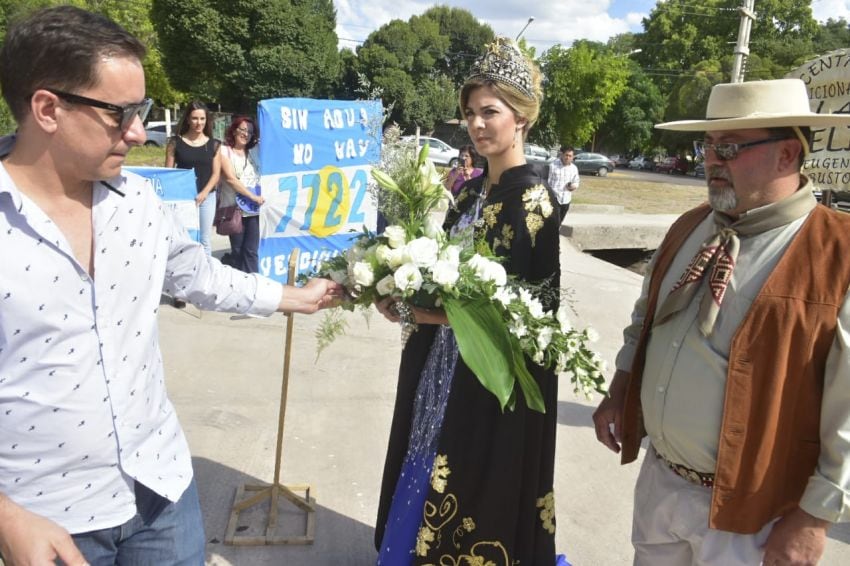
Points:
[[661, 389], [675, 343]]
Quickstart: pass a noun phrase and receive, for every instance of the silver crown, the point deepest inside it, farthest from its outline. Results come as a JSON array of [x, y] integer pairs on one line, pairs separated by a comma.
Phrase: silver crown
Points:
[[505, 63]]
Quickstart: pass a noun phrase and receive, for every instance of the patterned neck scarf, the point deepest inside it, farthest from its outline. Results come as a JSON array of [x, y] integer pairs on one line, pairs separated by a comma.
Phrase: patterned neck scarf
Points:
[[719, 253]]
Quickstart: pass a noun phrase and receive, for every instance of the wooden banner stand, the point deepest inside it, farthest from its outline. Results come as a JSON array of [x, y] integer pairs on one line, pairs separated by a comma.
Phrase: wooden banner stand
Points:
[[261, 493]]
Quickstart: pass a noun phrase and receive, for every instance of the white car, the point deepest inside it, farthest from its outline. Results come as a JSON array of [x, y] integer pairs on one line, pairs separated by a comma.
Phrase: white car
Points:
[[439, 151], [156, 133]]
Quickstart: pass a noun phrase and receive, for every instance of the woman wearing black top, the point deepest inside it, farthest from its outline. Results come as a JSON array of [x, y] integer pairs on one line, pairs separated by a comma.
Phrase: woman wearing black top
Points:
[[194, 148]]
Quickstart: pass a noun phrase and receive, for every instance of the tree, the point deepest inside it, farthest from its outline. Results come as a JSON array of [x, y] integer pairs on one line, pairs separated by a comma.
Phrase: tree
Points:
[[832, 35], [582, 84], [237, 52], [629, 125]]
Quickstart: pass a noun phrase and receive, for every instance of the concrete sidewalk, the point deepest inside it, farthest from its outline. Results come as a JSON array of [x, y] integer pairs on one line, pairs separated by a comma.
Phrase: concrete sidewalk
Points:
[[224, 376]]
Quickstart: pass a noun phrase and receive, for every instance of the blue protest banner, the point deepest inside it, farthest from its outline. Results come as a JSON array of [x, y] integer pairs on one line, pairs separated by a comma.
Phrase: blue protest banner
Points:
[[316, 156], [177, 189]]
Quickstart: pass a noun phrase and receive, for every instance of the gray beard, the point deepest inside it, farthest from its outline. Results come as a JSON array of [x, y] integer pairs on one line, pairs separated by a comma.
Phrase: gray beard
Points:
[[723, 199]]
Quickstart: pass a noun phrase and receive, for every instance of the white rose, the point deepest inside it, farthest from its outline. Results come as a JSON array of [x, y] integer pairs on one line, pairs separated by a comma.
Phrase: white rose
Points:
[[386, 285], [363, 274], [451, 254], [444, 273], [476, 262], [408, 277], [396, 236], [422, 252], [492, 271]]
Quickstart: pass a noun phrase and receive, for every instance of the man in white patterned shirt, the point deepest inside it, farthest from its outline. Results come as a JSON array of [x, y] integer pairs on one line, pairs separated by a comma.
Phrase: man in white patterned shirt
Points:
[[564, 179], [89, 443]]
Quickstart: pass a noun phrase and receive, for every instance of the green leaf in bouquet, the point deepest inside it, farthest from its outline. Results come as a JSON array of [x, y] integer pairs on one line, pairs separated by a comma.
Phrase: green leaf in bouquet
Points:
[[530, 389], [385, 180], [484, 344]]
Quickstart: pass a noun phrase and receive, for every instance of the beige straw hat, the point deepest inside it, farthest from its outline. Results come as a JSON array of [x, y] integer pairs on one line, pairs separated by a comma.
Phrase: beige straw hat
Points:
[[778, 103]]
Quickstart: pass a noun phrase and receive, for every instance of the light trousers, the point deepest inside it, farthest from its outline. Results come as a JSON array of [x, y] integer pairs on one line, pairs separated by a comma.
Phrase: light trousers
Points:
[[670, 524]]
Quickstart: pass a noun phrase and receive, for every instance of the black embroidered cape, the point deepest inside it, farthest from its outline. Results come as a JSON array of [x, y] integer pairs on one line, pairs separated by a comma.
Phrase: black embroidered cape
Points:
[[491, 492]]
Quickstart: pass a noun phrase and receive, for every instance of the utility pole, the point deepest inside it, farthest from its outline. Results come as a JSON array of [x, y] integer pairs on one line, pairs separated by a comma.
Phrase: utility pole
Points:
[[742, 48]]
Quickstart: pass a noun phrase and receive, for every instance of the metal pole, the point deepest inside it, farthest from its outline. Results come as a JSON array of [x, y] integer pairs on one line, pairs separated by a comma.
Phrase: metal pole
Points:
[[742, 48], [528, 23]]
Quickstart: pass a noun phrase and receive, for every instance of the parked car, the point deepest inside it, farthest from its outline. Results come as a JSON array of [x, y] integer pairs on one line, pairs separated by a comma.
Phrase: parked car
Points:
[[642, 163], [620, 160], [672, 165], [439, 151], [538, 157], [594, 163], [156, 133]]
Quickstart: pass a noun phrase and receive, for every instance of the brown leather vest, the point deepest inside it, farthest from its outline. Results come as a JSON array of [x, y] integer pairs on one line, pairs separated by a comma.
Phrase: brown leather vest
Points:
[[769, 439]]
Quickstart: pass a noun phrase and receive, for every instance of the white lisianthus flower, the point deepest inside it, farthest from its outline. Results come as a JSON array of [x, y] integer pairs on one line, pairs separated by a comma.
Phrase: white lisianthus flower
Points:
[[382, 254], [544, 337], [408, 278], [495, 272], [444, 273], [396, 257], [535, 308], [363, 274], [396, 236], [592, 334], [423, 252], [537, 357], [386, 285], [451, 254], [477, 262]]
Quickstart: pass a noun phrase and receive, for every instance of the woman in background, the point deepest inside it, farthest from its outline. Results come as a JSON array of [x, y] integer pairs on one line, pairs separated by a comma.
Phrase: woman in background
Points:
[[194, 148], [240, 171], [464, 171]]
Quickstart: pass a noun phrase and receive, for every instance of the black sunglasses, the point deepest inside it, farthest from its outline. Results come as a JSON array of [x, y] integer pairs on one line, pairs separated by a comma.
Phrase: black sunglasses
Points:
[[126, 114], [729, 151]]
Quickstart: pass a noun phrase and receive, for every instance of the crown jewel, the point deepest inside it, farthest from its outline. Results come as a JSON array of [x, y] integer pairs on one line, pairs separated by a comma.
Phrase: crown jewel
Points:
[[504, 62]]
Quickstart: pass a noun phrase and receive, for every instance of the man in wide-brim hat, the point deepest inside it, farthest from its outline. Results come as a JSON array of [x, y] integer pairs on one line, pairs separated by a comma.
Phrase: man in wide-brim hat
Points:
[[736, 364]]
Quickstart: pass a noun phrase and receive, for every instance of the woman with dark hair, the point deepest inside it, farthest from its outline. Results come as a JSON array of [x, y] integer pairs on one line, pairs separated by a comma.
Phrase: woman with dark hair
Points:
[[240, 171], [464, 170], [465, 482], [194, 148]]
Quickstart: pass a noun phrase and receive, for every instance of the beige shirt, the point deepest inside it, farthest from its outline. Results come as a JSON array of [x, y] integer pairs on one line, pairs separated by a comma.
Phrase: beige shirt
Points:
[[684, 378]]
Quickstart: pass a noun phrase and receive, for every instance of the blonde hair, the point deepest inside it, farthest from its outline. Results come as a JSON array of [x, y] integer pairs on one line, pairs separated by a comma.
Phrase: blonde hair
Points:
[[522, 106]]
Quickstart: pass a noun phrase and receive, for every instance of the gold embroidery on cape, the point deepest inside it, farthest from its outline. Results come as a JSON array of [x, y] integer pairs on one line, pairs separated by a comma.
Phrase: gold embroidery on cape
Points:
[[506, 238], [440, 473], [537, 199], [489, 214], [534, 222], [547, 511], [481, 553]]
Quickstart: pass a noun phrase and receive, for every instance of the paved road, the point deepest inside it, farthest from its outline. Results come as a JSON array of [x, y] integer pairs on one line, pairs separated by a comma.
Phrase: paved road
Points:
[[224, 377]]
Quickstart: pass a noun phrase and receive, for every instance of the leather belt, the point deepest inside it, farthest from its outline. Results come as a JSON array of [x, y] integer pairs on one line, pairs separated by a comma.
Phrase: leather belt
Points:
[[684, 472]]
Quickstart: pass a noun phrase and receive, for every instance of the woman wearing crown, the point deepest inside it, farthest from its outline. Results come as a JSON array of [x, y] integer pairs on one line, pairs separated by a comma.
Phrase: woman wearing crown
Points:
[[463, 481]]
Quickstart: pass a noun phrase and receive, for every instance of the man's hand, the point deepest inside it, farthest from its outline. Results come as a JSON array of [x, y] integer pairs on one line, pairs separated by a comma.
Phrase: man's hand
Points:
[[797, 539], [316, 294], [610, 411], [27, 539]]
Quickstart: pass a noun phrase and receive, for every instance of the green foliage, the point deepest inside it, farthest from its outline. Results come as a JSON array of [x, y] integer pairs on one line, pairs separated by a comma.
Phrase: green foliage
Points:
[[629, 126], [239, 52], [583, 83], [420, 64]]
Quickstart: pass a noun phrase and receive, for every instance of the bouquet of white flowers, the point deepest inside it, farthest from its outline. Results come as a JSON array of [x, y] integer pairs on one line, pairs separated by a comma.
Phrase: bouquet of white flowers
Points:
[[496, 319]]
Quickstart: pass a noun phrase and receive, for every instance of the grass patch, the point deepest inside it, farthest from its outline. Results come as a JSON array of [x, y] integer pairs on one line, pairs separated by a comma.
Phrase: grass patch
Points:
[[640, 197], [148, 156]]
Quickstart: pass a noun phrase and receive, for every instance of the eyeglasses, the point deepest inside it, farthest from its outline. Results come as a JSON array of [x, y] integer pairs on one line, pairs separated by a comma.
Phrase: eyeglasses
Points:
[[729, 151], [126, 114], [246, 132]]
